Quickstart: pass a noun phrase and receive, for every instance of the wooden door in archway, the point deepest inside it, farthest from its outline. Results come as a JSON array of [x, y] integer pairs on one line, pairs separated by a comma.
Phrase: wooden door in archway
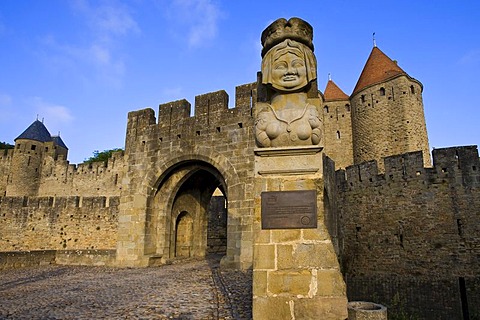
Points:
[[183, 235]]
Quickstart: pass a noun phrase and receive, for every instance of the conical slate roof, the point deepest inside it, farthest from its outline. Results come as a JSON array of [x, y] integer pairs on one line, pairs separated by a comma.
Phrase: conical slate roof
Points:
[[37, 131], [333, 92], [59, 142], [379, 67]]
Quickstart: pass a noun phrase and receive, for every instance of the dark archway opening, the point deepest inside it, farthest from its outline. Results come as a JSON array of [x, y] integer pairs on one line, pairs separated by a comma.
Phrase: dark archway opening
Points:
[[217, 224], [197, 214]]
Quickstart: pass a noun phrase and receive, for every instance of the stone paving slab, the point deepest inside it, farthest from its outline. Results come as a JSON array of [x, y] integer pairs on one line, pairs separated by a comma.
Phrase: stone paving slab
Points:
[[193, 289]]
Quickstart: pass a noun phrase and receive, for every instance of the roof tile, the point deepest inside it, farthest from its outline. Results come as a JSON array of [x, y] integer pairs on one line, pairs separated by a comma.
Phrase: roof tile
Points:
[[378, 68], [333, 92]]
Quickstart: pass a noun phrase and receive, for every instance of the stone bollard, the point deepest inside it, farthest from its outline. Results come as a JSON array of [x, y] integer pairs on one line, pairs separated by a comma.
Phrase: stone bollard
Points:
[[361, 310]]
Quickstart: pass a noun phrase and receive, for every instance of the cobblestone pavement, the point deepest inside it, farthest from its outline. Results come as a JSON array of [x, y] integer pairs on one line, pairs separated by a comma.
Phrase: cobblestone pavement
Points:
[[192, 289]]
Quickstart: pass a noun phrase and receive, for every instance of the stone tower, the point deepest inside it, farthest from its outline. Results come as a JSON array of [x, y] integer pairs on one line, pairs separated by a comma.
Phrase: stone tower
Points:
[[30, 149], [387, 112], [337, 123]]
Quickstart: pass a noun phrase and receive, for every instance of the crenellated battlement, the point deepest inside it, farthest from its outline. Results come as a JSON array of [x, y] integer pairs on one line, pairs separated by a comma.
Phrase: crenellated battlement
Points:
[[172, 112], [457, 165], [60, 178], [211, 112], [62, 202]]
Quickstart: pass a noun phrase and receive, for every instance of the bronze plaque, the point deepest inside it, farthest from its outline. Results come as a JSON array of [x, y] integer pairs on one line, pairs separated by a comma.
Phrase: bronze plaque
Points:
[[289, 209]]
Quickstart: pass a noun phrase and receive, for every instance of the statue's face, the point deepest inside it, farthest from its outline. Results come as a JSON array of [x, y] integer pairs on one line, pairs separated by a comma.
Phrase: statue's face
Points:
[[289, 72]]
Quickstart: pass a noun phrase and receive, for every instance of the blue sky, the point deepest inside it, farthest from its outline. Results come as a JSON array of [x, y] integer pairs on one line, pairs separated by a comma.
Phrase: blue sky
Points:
[[83, 65]]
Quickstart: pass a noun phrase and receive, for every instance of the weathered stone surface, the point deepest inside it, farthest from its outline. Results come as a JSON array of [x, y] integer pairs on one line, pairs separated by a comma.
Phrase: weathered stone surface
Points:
[[273, 308], [264, 256], [290, 282], [328, 308]]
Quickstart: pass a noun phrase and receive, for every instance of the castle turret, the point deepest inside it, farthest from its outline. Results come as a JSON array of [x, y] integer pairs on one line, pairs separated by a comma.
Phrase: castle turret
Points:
[[60, 149], [30, 149], [387, 112], [25, 170], [337, 125]]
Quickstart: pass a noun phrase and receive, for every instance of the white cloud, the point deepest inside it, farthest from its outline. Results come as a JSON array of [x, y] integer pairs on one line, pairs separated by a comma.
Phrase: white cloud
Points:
[[199, 17], [54, 114], [101, 56], [108, 19]]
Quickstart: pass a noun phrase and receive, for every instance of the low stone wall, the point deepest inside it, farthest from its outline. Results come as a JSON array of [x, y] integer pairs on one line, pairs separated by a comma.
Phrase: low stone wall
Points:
[[22, 259], [86, 257]]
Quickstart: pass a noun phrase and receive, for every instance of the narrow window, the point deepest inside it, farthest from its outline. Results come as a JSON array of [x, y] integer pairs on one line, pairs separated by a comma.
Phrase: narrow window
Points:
[[338, 134], [33, 147], [347, 107], [412, 89], [363, 98], [460, 227], [382, 91], [325, 109]]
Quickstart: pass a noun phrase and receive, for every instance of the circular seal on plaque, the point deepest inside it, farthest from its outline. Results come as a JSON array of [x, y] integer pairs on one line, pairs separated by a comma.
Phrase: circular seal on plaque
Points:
[[305, 220]]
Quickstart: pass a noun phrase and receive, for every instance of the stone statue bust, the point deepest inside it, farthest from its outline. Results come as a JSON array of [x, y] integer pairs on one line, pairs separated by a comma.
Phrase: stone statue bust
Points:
[[288, 68]]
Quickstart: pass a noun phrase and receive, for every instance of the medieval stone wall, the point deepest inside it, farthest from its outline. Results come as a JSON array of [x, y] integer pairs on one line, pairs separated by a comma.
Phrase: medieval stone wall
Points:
[[58, 223], [59, 178], [412, 225], [33, 173]]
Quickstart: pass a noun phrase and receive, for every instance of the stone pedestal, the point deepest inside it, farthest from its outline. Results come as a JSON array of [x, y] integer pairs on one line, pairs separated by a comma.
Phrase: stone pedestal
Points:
[[296, 274]]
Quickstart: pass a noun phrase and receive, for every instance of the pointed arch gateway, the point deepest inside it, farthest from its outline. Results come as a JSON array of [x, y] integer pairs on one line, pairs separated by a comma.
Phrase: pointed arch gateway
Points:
[[187, 215]]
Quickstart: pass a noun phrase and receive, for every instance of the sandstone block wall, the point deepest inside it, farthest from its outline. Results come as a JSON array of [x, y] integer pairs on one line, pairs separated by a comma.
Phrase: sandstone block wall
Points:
[[37, 174], [411, 221], [60, 178], [55, 223]]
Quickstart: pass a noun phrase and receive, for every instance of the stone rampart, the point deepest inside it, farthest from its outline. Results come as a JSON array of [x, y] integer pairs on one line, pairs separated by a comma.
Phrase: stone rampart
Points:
[[60, 178], [411, 221], [58, 223]]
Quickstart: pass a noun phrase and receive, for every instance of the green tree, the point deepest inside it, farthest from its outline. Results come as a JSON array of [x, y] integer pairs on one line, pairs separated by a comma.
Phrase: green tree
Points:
[[6, 145], [102, 156]]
